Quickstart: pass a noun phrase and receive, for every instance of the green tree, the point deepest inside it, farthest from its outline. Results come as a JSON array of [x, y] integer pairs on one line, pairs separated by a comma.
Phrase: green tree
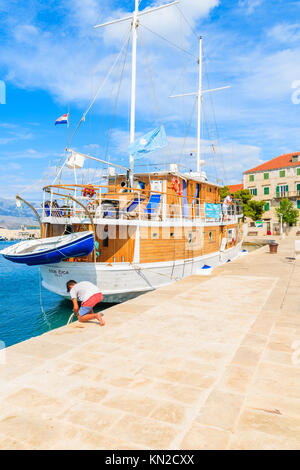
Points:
[[225, 191], [290, 215], [243, 195], [255, 209], [252, 209]]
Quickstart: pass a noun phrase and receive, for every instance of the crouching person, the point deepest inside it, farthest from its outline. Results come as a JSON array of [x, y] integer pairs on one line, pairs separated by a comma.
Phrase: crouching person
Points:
[[89, 295]]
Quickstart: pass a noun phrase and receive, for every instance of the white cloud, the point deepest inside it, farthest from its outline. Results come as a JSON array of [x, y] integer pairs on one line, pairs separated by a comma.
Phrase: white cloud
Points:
[[271, 75], [285, 33], [250, 5], [13, 133], [61, 59]]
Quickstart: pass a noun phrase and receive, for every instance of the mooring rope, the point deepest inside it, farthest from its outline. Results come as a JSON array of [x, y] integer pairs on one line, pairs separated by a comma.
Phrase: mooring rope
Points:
[[41, 302]]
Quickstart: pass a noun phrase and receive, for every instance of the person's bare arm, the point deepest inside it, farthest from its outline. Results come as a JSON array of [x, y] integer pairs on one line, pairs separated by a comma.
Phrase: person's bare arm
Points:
[[75, 306]]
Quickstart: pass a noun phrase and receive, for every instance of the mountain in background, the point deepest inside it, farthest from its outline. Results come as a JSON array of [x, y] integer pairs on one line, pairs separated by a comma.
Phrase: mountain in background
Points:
[[12, 217]]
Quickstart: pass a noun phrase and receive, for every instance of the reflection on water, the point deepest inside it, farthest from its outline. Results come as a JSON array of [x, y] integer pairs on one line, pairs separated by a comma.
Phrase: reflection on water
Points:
[[251, 246], [20, 309]]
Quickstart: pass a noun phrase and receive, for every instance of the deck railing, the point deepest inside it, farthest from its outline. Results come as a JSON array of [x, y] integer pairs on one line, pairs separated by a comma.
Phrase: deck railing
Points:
[[130, 204]]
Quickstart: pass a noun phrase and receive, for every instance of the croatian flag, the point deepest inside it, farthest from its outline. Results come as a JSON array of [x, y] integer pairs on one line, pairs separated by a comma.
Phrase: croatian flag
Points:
[[63, 119]]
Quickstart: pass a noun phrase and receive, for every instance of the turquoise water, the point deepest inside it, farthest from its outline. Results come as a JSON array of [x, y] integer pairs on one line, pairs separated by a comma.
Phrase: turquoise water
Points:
[[20, 312]]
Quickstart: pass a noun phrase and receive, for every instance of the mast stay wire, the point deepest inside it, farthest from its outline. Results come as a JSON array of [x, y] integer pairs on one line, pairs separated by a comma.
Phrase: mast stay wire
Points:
[[186, 130], [205, 65], [100, 87], [187, 22], [188, 127], [169, 42], [216, 127], [210, 138], [116, 100], [109, 130]]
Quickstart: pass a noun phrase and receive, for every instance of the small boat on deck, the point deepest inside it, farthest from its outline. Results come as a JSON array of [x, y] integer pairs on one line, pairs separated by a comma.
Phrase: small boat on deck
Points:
[[50, 250]]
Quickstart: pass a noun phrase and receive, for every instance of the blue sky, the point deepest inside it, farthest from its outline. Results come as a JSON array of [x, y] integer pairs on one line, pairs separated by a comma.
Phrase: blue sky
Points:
[[51, 58]]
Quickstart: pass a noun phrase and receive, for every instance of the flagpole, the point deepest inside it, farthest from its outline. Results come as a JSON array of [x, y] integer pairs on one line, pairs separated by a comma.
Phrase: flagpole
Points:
[[68, 127]]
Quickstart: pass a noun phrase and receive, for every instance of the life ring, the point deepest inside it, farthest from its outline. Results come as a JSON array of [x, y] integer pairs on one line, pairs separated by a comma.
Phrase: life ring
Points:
[[88, 191], [176, 186]]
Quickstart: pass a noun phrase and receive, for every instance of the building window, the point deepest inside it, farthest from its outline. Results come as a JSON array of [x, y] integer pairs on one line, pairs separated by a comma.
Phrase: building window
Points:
[[253, 191], [282, 191], [267, 206], [266, 190], [295, 158], [251, 178], [298, 204], [266, 176], [282, 173], [298, 171]]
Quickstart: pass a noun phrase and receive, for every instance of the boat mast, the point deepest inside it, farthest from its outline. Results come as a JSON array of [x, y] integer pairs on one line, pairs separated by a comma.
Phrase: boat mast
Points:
[[134, 26], [199, 106], [134, 17], [199, 94]]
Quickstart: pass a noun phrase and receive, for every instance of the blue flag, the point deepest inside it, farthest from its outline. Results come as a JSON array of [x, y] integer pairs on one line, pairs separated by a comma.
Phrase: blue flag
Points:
[[150, 142]]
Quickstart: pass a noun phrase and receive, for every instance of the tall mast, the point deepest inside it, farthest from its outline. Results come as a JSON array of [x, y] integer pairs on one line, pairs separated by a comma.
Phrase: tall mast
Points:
[[199, 94], [134, 17], [134, 26], [199, 106]]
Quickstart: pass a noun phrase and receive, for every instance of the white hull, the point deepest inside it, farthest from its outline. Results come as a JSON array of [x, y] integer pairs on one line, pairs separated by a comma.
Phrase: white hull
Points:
[[122, 281]]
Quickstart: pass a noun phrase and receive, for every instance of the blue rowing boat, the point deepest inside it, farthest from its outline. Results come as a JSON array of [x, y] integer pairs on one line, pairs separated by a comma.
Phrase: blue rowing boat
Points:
[[50, 250]]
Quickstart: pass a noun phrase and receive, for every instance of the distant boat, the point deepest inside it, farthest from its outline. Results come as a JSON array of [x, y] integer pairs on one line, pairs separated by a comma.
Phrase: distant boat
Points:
[[50, 250]]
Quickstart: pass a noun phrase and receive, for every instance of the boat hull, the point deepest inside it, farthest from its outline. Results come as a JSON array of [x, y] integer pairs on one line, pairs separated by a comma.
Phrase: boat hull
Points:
[[122, 281], [81, 247]]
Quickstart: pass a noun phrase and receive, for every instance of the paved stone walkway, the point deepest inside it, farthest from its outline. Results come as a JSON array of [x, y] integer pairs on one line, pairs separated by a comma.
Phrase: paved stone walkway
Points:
[[205, 363]]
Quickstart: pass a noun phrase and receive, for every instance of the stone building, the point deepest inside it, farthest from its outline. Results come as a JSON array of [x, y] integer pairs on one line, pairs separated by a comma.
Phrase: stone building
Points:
[[272, 181]]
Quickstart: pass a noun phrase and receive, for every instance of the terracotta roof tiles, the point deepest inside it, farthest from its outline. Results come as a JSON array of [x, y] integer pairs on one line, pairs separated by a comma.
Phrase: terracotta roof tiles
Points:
[[235, 187], [283, 161]]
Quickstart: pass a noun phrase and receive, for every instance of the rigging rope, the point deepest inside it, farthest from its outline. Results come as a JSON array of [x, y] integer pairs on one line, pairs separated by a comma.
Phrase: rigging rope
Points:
[[100, 87], [210, 138], [116, 99], [187, 129], [215, 122], [41, 302], [169, 42], [187, 22]]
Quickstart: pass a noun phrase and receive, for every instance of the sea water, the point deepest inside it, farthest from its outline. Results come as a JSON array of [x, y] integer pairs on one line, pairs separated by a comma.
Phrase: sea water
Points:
[[21, 315]]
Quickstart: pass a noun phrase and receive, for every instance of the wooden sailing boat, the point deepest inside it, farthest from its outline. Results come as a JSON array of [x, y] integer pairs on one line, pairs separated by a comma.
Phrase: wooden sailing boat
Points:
[[150, 229]]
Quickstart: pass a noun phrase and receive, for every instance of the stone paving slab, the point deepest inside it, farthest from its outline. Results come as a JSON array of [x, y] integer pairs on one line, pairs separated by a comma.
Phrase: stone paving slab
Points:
[[204, 363]]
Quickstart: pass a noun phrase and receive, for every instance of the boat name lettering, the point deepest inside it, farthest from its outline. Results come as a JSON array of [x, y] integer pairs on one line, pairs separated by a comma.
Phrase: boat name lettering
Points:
[[58, 272]]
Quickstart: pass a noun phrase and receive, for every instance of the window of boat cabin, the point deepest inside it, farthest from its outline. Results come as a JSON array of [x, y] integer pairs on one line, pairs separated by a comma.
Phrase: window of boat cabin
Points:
[[105, 236], [56, 230]]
